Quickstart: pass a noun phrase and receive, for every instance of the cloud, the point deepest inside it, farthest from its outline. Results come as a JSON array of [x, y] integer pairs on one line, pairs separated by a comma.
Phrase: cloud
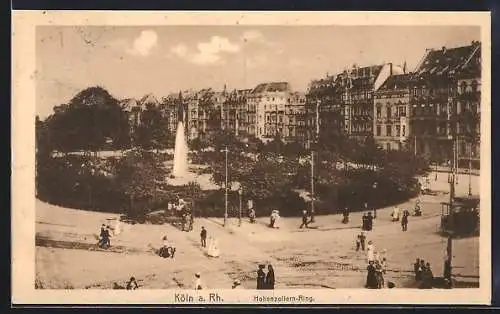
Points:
[[143, 44], [207, 53]]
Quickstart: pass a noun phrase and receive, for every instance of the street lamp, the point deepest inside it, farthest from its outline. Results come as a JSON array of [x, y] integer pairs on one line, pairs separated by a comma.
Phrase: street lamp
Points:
[[374, 186], [240, 192], [470, 169], [225, 150]]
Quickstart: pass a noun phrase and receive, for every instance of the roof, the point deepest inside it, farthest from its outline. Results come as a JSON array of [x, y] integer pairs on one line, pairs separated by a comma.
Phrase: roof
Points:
[[128, 104], [149, 99], [399, 81], [447, 61], [272, 87]]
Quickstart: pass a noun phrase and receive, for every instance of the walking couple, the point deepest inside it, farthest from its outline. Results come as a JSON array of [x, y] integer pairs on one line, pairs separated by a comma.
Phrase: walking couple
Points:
[[265, 281]]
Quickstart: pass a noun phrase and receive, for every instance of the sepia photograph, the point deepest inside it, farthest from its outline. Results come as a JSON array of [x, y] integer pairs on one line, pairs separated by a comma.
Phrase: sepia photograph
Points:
[[257, 156]]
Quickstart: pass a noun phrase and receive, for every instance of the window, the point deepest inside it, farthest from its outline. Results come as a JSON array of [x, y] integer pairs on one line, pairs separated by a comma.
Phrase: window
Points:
[[398, 130], [379, 112], [474, 86], [388, 146], [388, 111], [402, 111], [379, 130], [403, 130], [463, 87], [388, 130]]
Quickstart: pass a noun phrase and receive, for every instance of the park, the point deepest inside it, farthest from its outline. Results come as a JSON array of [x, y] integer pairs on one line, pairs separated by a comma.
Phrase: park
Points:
[[136, 191]]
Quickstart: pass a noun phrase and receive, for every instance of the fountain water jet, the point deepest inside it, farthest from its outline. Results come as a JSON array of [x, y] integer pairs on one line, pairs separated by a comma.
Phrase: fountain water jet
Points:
[[180, 168]]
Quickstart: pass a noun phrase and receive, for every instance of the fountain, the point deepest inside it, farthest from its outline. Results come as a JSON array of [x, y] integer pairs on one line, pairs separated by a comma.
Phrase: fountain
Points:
[[181, 174], [180, 168]]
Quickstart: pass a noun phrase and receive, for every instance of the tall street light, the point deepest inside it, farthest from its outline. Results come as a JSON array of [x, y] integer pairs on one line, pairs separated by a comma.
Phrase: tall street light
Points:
[[240, 192], [470, 169], [225, 189]]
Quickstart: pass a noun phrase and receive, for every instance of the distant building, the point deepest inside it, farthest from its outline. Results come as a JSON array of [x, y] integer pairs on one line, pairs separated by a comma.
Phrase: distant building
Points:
[[344, 103], [270, 100], [133, 110], [445, 103], [295, 118], [392, 106]]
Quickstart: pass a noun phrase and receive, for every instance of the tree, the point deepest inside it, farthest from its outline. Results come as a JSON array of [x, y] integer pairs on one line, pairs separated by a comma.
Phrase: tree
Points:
[[137, 175], [90, 118], [153, 130]]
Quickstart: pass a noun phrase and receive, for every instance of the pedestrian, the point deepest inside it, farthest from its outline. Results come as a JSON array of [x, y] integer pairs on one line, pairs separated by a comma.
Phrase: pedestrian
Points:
[[360, 241], [369, 221], [236, 284], [383, 263], [416, 269], [304, 219], [371, 279], [203, 236], [418, 210], [379, 275], [251, 215], [272, 219], [132, 284], [345, 214], [427, 277], [261, 277], [363, 240], [370, 252], [102, 236], [404, 221], [395, 214], [197, 282], [269, 283], [107, 237], [364, 219]]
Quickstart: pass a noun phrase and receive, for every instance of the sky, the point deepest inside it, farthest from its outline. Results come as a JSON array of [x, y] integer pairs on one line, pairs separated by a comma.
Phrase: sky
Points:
[[131, 62]]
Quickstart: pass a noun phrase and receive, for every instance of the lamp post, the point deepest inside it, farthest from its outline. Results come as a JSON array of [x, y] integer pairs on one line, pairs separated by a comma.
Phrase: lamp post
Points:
[[374, 186], [312, 185], [225, 189], [470, 169], [240, 192]]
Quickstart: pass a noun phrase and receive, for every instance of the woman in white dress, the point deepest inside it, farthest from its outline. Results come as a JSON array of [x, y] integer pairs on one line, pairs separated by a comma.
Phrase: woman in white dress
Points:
[[276, 219], [213, 249]]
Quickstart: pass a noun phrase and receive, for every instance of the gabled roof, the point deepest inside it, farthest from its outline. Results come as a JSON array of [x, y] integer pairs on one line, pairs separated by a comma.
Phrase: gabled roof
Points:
[[128, 104], [399, 81], [447, 61], [149, 99], [272, 87]]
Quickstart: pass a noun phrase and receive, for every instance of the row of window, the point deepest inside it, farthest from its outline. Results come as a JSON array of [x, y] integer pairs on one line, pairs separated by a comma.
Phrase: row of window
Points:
[[399, 112], [400, 130]]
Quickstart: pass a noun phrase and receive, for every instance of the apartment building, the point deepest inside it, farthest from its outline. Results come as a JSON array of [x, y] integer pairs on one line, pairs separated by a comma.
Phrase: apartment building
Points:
[[392, 106], [445, 103]]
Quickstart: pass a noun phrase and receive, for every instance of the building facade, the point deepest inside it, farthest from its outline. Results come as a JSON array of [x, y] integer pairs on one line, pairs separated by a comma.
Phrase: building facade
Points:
[[344, 103], [392, 106], [270, 100], [442, 112]]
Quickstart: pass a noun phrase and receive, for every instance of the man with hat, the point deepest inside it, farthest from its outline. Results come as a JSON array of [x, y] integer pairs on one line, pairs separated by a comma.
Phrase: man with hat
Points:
[[261, 277]]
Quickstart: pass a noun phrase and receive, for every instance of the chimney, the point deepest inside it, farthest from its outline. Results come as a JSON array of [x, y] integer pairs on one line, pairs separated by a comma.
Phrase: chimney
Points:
[[390, 69]]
